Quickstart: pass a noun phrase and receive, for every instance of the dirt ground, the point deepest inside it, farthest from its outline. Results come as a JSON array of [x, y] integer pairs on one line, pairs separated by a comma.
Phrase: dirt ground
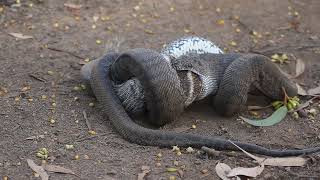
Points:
[[39, 76]]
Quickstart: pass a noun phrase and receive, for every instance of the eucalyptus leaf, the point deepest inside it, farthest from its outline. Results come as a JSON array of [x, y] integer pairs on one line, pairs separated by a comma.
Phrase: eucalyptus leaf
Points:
[[275, 118]]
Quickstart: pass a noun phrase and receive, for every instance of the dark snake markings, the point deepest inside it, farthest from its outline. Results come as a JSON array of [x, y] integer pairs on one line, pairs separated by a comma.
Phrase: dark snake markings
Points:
[[165, 93]]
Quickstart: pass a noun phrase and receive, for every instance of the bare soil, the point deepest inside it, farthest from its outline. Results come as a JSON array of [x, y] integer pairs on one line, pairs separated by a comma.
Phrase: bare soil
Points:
[[63, 38]]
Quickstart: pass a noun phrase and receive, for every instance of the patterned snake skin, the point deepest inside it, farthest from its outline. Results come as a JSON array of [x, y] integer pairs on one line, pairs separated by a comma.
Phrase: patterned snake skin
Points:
[[197, 83], [163, 92]]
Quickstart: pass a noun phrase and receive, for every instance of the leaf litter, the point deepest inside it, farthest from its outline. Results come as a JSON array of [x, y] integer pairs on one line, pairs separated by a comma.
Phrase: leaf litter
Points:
[[38, 169], [145, 170], [275, 118], [249, 172], [225, 172], [20, 36], [300, 68], [57, 169], [281, 161], [42, 170]]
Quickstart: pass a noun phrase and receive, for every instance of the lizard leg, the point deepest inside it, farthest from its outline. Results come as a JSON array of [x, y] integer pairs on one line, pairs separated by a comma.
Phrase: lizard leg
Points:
[[245, 71]]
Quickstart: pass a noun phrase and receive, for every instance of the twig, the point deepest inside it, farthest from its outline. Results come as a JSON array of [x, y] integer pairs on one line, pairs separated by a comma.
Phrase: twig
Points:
[[37, 78], [86, 138], [258, 107], [210, 152], [306, 104], [87, 121], [286, 97], [70, 53], [214, 153], [91, 137], [1, 19]]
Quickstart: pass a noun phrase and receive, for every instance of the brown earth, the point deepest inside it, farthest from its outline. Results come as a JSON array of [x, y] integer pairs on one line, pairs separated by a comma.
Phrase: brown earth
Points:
[[63, 38]]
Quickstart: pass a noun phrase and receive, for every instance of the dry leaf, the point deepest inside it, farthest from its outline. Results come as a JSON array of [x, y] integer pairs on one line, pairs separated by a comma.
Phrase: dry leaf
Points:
[[314, 91], [284, 161], [172, 169], [38, 169], [306, 104], [72, 6], [250, 172], [180, 172], [20, 36], [35, 137], [57, 169], [300, 67], [301, 91], [145, 171], [223, 170]]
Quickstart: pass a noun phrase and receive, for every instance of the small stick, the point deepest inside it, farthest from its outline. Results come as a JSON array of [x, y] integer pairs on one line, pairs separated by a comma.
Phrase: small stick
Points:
[[70, 53], [306, 104], [87, 121], [258, 107], [37, 78], [286, 97], [210, 152]]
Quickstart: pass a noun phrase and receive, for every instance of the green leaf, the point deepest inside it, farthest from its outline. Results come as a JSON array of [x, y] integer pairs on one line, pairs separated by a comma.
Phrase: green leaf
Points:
[[275, 118], [171, 169]]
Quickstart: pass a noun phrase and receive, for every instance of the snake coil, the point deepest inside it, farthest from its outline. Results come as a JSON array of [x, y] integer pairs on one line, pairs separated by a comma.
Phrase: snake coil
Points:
[[235, 74]]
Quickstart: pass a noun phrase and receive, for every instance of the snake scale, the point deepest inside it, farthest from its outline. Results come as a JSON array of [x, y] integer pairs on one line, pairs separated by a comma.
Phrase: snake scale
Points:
[[162, 84]]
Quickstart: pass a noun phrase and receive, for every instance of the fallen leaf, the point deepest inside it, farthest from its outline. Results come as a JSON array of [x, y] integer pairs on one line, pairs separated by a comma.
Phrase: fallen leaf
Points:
[[220, 22], [300, 67], [172, 169], [20, 36], [283, 161], [35, 137], [38, 169], [314, 91], [73, 6], [148, 31], [301, 91], [145, 170], [275, 118], [223, 170], [180, 172], [249, 172], [190, 150], [57, 169]]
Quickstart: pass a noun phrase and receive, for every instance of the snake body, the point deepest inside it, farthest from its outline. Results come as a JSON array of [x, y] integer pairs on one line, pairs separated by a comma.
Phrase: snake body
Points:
[[168, 86], [131, 92]]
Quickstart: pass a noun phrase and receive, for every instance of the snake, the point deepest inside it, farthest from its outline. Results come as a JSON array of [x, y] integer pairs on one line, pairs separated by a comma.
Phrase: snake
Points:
[[167, 82]]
